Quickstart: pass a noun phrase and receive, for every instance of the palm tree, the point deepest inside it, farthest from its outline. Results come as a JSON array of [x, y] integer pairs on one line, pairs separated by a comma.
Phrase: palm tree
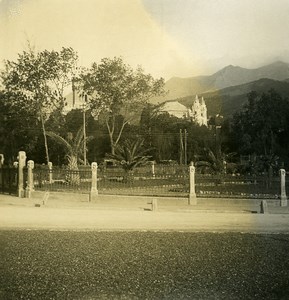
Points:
[[130, 155], [215, 163], [74, 149]]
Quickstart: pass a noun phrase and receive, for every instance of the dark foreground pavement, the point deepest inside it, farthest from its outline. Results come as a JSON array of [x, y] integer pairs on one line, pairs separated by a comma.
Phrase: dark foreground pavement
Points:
[[37, 264]]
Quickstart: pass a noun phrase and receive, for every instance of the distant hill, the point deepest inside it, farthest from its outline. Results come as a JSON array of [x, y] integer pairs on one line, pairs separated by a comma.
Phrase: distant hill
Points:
[[226, 77], [229, 100]]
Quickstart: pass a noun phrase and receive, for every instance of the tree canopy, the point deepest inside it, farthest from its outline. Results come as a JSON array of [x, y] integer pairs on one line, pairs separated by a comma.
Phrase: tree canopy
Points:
[[114, 89], [260, 125], [36, 82]]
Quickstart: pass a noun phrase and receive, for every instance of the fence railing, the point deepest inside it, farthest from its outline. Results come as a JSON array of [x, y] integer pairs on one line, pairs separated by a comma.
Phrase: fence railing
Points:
[[154, 180], [142, 181], [8, 180], [59, 179], [165, 181], [238, 186]]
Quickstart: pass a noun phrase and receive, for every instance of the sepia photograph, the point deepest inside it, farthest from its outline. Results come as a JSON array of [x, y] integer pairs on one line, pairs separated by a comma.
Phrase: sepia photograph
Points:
[[144, 149]]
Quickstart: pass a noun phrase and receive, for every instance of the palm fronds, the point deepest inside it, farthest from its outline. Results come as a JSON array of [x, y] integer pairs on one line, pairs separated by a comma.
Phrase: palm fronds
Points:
[[130, 155]]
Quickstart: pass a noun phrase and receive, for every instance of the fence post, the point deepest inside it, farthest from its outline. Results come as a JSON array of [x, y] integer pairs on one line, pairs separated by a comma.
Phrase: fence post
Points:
[[283, 198], [154, 205], [93, 191], [21, 164], [263, 207], [153, 169], [15, 165], [30, 182], [1, 164], [192, 195], [50, 172]]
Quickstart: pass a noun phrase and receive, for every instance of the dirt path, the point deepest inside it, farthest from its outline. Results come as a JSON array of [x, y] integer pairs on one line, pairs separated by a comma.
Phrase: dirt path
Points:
[[74, 212], [93, 219]]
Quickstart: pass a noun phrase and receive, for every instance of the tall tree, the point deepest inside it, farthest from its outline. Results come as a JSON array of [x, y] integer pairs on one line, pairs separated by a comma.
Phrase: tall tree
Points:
[[19, 129], [36, 81], [117, 94], [258, 127]]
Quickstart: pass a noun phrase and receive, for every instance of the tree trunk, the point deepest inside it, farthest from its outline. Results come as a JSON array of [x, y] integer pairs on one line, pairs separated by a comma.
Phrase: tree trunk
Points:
[[112, 146], [45, 138], [111, 131], [72, 176]]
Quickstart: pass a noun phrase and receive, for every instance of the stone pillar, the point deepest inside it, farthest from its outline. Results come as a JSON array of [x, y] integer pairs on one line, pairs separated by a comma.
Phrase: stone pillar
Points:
[[264, 207], [192, 195], [1, 164], [153, 169], [30, 182], [1, 160], [93, 191], [154, 205], [15, 165], [283, 198], [21, 164], [50, 172]]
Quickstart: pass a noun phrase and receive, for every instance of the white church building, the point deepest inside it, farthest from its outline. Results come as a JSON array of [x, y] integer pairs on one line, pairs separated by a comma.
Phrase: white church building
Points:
[[197, 113]]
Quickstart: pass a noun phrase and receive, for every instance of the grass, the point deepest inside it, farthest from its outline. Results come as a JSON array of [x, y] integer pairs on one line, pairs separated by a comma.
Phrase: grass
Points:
[[143, 265]]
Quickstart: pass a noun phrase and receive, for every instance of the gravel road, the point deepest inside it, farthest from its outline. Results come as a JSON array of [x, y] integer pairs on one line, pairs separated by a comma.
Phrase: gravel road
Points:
[[46, 264]]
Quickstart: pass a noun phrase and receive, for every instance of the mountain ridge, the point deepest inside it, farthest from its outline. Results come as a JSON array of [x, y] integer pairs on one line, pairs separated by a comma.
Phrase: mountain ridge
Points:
[[178, 87], [229, 100]]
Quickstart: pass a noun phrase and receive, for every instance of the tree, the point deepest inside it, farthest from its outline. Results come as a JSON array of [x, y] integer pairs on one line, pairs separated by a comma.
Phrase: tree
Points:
[[36, 82], [130, 155], [218, 163], [259, 125], [74, 149], [18, 129], [117, 93]]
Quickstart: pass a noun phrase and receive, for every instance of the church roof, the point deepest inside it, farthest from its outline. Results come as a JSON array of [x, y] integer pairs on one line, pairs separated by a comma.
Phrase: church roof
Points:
[[173, 106]]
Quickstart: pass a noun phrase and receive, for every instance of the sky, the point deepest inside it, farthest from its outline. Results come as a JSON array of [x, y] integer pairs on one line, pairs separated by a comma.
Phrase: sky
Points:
[[167, 38]]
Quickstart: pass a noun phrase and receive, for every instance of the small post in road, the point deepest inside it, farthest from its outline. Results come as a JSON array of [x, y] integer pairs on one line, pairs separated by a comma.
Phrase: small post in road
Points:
[[21, 164], [192, 195], [283, 198], [93, 191]]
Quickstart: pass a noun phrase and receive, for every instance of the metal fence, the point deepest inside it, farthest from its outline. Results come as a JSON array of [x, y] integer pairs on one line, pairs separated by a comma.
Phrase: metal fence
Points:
[[238, 186], [8, 180], [162, 180], [60, 179]]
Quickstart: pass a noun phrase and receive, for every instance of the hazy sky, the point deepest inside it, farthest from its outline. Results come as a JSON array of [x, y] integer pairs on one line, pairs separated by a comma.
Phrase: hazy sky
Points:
[[167, 37]]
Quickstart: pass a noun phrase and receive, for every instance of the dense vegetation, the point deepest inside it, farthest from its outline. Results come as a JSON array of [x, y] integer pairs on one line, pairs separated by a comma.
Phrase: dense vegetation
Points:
[[118, 113]]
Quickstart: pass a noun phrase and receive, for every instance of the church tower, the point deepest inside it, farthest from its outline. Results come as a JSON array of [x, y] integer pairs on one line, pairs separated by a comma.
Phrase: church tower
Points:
[[199, 111], [203, 113]]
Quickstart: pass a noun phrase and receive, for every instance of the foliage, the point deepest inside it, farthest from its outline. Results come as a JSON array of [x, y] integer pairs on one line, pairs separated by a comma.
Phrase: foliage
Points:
[[257, 128], [36, 82], [210, 161], [115, 90], [162, 133], [19, 129], [130, 155], [74, 149]]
